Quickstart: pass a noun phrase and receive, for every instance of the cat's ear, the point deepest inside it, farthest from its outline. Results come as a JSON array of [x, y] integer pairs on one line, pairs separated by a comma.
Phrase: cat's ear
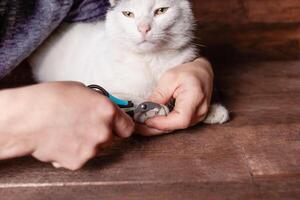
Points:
[[113, 2]]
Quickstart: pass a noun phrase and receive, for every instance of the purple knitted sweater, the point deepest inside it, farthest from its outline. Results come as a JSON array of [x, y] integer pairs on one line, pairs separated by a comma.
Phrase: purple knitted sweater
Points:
[[25, 24]]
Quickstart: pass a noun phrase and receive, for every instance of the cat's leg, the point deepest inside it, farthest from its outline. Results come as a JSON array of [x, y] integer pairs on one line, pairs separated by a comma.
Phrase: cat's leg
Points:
[[217, 114]]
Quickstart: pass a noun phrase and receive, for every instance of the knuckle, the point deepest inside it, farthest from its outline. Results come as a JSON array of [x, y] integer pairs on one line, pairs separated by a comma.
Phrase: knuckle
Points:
[[73, 83], [38, 155], [103, 136], [201, 90], [89, 153], [170, 75], [203, 110], [76, 164], [74, 167], [187, 74], [158, 93], [92, 153], [199, 86], [106, 109], [76, 83], [194, 77], [97, 137], [185, 123], [128, 130], [200, 96], [110, 110], [85, 154]]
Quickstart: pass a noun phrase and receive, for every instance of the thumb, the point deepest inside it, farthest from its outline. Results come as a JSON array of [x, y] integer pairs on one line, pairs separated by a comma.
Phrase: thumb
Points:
[[123, 124]]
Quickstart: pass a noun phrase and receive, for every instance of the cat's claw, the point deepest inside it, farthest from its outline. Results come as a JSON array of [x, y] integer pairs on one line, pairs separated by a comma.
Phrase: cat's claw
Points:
[[218, 114]]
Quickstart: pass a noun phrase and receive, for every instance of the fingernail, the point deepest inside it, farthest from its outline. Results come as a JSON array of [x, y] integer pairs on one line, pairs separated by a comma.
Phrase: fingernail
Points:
[[56, 165]]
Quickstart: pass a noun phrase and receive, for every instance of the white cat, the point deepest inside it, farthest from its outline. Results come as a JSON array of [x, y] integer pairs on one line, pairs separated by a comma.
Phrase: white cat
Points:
[[127, 53]]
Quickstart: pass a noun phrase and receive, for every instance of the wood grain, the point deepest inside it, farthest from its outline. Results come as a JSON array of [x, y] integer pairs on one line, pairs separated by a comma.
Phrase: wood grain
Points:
[[200, 154], [282, 189], [250, 29]]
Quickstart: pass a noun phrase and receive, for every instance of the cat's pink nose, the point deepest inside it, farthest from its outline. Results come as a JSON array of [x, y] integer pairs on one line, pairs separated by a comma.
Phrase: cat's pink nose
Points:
[[144, 28]]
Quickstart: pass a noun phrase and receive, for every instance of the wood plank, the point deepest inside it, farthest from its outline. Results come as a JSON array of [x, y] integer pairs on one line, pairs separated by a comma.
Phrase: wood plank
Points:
[[259, 78], [234, 30], [174, 191], [199, 154], [270, 150], [275, 190], [264, 117], [281, 189], [248, 11], [261, 93], [277, 11]]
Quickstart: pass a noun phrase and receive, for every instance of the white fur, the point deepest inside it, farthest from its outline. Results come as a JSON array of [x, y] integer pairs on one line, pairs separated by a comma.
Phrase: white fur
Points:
[[114, 54], [218, 114]]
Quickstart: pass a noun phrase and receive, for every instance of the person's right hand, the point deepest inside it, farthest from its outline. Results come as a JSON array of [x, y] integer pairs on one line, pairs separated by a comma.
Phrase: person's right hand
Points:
[[64, 123]]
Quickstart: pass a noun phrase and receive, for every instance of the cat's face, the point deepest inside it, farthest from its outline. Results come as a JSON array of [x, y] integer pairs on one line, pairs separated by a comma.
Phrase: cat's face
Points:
[[150, 25]]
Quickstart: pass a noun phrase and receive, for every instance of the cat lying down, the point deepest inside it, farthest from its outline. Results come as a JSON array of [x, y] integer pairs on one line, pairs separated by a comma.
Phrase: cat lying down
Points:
[[127, 53]]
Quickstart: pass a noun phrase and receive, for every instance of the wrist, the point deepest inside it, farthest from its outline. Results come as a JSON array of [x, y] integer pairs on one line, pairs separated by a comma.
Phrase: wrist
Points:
[[15, 141]]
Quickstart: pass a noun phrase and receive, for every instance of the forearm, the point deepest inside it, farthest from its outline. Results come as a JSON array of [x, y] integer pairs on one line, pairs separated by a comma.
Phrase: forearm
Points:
[[15, 140]]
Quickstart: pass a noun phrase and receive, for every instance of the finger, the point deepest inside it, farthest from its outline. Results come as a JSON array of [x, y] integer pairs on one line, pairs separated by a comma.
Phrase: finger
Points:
[[164, 91], [200, 113], [123, 125], [147, 131], [19, 149], [181, 116], [71, 164], [160, 96], [106, 141]]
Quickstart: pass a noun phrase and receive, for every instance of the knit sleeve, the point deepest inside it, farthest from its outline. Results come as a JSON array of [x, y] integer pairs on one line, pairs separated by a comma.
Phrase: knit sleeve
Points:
[[24, 25], [88, 10]]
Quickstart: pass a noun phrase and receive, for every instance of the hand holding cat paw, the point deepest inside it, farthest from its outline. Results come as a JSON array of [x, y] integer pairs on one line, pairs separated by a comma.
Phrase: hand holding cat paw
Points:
[[191, 86]]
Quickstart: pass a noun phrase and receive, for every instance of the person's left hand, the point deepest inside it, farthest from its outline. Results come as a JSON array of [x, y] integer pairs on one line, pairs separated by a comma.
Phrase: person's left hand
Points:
[[191, 86]]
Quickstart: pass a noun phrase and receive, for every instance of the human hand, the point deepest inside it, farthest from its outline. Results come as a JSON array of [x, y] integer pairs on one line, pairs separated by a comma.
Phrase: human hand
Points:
[[191, 86], [64, 123]]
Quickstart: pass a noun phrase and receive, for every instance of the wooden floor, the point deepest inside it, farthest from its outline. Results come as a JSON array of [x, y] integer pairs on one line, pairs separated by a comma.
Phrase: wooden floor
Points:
[[255, 156]]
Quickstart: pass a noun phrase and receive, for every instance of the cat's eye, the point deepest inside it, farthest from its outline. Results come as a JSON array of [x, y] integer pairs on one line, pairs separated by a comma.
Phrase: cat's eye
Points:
[[128, 14], [161, 11]]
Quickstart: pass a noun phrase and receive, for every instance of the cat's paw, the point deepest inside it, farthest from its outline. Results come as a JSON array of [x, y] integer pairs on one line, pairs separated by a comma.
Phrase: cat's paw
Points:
[[148, 110], [218, 114]]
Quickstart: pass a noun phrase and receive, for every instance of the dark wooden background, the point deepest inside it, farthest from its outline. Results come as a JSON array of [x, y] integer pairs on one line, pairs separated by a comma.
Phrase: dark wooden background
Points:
[[249, 29]]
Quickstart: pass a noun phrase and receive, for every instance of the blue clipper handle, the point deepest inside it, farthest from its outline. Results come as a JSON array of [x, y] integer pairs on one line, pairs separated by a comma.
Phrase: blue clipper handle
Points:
[[120, 102]]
